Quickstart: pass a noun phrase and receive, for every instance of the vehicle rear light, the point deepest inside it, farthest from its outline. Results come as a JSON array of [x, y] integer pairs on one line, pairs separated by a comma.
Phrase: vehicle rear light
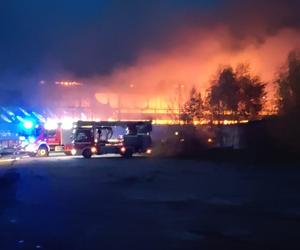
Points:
[[123, 149], [149, 151]]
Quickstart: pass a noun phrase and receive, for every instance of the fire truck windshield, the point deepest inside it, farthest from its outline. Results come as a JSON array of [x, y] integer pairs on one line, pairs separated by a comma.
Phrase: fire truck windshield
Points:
[[51, 133], [83, 135], [38, 131]]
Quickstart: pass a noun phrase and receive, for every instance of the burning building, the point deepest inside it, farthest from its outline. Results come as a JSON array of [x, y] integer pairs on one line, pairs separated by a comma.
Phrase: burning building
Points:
[[94, 102]]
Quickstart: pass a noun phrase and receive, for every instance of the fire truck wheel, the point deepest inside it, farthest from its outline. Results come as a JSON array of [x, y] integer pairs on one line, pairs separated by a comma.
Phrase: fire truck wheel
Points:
[[127, 154], [87, 153], [43, 151]]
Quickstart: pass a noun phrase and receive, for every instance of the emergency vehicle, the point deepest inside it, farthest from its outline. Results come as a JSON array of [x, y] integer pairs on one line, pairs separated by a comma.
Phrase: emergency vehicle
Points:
[[31, 133], [41, 141], [110, 137]]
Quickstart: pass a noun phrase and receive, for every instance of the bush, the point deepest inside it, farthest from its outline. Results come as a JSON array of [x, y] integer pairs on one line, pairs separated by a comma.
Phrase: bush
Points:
[[182, 141]]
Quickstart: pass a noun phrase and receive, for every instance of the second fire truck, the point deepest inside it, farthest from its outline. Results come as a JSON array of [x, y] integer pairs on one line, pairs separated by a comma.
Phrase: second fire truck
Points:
[[116, 137]]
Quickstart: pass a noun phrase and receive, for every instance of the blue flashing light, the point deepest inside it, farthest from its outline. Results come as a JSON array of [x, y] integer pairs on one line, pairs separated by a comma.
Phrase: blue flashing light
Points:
[[20, 118], [24, 112], [5, 118], [28, 124]]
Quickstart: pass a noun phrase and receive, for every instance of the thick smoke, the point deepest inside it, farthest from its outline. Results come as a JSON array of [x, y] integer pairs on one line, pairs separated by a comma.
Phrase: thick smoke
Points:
[[151, 45], [258, 33]]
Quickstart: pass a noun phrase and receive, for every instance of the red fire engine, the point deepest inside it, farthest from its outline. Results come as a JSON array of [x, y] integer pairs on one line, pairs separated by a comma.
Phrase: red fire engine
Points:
[[41, 141], [119, 137]]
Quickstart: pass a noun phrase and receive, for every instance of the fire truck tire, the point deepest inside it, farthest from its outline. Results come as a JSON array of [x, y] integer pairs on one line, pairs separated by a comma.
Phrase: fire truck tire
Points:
[[128, 154], [87, 153], [43, 151]]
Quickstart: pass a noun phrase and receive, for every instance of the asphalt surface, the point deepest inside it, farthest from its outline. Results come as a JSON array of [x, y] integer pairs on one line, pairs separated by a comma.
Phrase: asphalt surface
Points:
[[147, 203]]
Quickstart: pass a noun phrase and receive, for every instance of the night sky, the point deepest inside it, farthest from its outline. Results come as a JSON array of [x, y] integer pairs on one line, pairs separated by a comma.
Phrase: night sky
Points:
[[89, 38]]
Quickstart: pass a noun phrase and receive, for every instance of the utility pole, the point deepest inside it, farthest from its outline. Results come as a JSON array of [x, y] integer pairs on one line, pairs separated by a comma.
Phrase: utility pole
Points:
[[119, 107], [180, 86]]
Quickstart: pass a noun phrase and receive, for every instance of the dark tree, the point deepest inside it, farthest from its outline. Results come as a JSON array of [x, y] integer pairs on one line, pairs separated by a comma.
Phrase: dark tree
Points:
[[286, 129], [252, 92], [225, 91], [289, 84], [237, 92], [193, 108]]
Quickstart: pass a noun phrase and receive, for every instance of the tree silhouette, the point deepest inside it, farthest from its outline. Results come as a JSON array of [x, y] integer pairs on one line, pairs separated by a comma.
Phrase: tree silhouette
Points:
[[251, 92], [225, 92], [237, 92], [289, 84], [193, 108]]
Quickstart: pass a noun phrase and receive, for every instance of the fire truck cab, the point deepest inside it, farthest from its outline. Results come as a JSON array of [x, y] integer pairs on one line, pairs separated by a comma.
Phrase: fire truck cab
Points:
[[110, 137]]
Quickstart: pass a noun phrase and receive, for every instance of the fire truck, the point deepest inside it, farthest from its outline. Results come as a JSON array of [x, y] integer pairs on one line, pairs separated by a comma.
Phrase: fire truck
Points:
[[41, 141], [110, 137], [31, 133]]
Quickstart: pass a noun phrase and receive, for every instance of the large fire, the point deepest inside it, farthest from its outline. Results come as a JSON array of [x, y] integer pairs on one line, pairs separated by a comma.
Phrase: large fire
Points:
[[161, 80], [158, 83]]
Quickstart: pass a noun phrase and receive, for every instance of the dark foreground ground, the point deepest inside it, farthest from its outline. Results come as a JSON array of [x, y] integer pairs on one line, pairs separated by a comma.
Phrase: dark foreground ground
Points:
[[112, 203]]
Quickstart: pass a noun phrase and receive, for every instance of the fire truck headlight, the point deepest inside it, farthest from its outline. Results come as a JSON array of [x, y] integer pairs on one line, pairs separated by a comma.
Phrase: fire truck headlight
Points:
[[149, 151], [94, 150], [123, 149], [73, 151]]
